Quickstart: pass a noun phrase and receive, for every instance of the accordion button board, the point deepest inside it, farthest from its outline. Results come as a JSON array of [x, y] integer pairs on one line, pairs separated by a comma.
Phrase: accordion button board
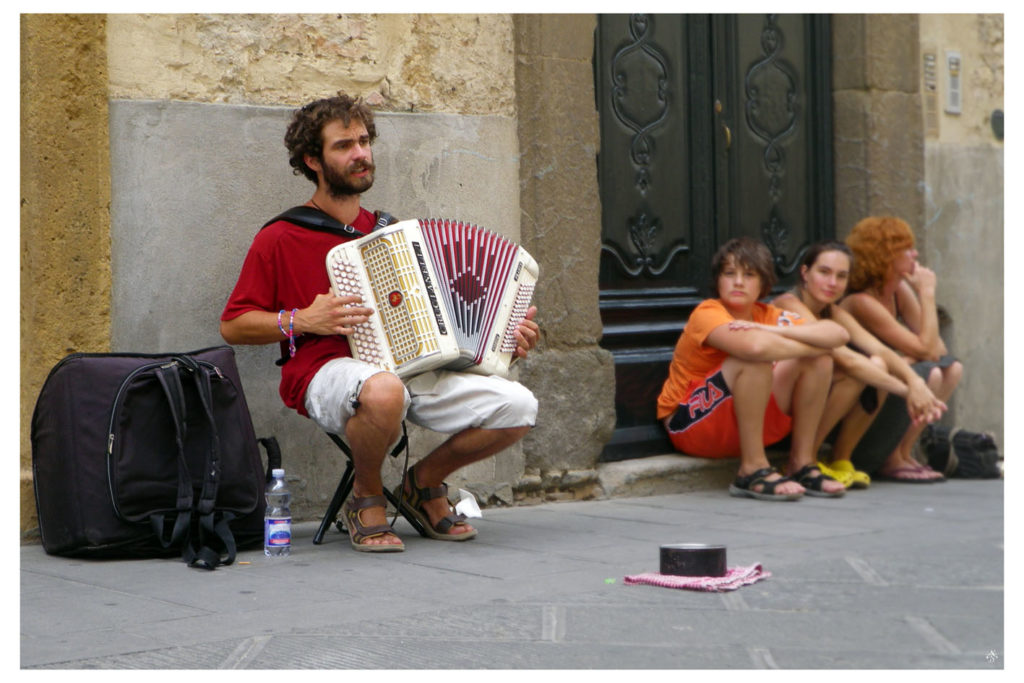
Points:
[[445, 294]]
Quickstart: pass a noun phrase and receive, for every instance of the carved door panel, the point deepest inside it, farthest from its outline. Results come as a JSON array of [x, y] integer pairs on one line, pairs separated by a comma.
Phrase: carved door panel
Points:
[[712, 126]]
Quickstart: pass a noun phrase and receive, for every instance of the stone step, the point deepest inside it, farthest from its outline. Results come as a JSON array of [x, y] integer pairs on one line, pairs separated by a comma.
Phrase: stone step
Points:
[[670, 473]]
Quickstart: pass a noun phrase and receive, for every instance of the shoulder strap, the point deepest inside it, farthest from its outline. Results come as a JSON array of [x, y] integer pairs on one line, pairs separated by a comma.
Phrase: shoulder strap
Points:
[[315, 219], [384, 219]]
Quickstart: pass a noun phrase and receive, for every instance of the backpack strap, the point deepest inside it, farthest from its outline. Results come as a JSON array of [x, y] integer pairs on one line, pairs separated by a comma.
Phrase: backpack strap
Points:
[[314, 219]]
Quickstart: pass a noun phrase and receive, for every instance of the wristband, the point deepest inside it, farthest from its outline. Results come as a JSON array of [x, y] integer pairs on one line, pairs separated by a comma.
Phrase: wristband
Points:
[[290, 332]]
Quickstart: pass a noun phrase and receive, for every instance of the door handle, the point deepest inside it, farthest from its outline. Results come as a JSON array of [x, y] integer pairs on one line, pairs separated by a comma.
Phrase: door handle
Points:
[[725, 128]]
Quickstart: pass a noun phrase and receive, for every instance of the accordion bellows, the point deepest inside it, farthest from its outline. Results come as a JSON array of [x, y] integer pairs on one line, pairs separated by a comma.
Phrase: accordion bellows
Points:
[[446, 294]]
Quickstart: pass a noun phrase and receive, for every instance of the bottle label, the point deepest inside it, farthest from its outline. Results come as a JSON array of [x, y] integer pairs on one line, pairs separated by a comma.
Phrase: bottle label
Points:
[[277, 533]]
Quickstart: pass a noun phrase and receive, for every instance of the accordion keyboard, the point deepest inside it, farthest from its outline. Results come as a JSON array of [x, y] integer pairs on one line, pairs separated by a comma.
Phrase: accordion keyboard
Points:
[[395, 281], [524, 294], [346, 282]]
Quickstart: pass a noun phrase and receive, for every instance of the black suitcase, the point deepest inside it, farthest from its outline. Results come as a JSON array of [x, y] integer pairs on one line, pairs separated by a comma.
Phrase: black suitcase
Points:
[[147, 455]]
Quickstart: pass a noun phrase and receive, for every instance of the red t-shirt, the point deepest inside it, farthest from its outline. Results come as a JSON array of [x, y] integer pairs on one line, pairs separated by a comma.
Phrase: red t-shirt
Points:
[[286, 268]]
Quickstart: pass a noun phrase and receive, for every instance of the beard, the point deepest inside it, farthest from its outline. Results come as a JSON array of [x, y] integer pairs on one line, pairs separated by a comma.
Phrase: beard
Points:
[[342, 184]]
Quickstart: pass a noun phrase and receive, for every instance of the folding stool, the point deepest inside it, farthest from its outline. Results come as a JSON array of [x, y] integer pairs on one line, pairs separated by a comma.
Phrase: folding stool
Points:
[[345, 489]]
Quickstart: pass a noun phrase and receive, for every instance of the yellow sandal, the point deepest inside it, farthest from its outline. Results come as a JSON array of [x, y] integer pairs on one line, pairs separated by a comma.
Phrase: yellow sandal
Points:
[[845, 468], [842, 477]]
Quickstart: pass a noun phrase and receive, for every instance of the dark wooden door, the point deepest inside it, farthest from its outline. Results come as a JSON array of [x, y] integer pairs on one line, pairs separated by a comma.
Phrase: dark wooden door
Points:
[[712, 126]]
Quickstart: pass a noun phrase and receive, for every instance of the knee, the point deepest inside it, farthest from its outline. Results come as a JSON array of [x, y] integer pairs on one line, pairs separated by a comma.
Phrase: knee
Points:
[[819, 365], [514, 434], [383, 396], [956, 371], [879, 362], [950, 378], [733, 368]]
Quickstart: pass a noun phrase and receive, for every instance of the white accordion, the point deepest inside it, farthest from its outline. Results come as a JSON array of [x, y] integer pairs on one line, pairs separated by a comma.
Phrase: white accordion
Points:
[[445, 294]]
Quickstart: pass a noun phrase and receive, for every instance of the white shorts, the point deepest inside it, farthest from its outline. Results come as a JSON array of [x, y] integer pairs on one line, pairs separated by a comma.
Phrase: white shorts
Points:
[[441, 400]]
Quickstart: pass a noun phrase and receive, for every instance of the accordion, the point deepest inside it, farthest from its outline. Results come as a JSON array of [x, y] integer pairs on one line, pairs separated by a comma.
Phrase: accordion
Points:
[[445, 294]]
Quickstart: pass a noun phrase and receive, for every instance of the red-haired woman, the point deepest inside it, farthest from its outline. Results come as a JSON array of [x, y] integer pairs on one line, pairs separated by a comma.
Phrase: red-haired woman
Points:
[[894, 299]]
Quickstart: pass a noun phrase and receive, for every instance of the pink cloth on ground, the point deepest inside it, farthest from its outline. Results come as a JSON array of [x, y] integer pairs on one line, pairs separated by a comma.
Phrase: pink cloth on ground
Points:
[[733, 579]]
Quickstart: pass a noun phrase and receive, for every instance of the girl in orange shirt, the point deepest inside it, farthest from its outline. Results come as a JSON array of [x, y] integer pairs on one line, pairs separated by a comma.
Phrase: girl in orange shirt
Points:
[[745, 374]]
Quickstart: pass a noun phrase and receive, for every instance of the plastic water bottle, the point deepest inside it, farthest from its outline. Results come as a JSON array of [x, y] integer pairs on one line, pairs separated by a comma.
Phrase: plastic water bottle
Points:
[[277, 523]]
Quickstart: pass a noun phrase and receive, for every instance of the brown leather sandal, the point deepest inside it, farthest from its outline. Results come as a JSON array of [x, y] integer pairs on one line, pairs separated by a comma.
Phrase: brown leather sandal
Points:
[[359, 532], [413, 504]]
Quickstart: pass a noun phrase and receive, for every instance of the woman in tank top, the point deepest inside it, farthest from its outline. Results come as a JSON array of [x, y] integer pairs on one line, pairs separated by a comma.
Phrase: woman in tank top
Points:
[[864, 362], [894, 299]]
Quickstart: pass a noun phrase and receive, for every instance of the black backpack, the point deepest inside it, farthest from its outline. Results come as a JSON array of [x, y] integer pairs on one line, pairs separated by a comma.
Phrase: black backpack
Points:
[[148, 455], [961, 454]]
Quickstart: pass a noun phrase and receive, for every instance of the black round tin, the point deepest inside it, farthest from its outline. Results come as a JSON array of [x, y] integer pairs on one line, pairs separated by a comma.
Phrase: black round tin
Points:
[[693, 559]]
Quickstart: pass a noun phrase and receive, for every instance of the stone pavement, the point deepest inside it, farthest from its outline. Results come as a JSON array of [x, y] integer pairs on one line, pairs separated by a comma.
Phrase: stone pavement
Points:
[[898, 576]]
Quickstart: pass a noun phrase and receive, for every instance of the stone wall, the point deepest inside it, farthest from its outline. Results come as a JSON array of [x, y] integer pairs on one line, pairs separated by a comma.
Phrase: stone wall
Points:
[[453, 63], [561, 224], [197, 109], [65, 195], [879, 143]]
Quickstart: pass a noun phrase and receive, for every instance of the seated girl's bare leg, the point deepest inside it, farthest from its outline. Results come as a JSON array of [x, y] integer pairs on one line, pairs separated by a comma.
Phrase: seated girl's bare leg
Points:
[[842, 399], [943, 381], [855, 424], [855, 420], [800, 386], [750, 383]]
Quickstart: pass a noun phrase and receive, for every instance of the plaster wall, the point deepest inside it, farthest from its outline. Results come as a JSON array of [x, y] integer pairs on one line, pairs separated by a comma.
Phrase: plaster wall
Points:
[[964, 229], [978, 38], [962, 226]]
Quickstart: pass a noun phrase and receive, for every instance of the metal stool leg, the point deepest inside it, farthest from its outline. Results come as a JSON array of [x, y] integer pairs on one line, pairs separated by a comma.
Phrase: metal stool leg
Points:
[[345, 488], [340, 494]]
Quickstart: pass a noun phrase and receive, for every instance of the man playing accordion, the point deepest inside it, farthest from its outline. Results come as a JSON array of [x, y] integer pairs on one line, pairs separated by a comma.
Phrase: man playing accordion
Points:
[[283, 295]]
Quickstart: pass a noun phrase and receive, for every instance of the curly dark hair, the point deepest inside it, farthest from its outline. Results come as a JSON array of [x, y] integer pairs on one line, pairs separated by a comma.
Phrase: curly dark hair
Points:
[[748, 253], [305, 132]]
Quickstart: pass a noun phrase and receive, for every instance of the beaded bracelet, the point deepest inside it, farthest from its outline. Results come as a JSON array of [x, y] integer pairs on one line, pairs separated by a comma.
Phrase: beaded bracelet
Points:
[[290, 333]]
